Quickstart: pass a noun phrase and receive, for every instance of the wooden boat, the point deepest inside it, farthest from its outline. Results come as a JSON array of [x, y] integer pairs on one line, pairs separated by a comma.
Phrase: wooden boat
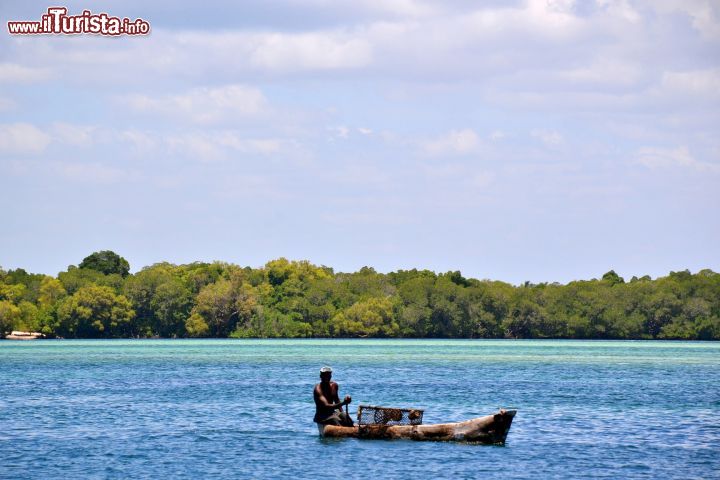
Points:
[[491, 429]]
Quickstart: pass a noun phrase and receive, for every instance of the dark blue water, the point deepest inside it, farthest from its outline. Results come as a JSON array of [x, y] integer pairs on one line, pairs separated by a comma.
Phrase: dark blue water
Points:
[[243, 409]]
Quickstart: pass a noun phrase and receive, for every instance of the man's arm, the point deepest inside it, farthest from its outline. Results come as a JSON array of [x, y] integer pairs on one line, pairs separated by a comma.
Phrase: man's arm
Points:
[[336, 398]]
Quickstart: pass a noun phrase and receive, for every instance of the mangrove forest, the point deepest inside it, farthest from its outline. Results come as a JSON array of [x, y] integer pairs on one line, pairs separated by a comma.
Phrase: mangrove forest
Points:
[[100, 298]]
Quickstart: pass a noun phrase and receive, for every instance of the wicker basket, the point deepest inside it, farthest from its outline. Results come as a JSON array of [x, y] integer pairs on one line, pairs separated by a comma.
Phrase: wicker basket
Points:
[[374, 415]]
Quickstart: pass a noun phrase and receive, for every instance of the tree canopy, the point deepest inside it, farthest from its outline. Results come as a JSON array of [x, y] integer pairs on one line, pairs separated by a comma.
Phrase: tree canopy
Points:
[[106, 262], [101, 299]]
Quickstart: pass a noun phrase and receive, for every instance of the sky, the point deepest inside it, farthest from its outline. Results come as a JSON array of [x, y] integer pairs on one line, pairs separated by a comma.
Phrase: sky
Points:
[[538, 140]]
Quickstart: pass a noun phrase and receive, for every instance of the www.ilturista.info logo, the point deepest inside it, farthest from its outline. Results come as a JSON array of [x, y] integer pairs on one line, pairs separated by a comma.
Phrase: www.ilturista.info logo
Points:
[[57, 22]]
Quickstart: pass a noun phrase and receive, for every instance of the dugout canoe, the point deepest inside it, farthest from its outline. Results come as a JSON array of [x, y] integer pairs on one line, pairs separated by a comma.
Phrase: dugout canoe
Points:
[[491, 429]]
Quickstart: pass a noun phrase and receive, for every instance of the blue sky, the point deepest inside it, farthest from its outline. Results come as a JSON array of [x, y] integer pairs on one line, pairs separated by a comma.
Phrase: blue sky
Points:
[[537, 140]]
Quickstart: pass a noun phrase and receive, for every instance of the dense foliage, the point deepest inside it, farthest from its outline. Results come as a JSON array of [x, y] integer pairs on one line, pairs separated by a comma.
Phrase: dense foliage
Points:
[[106, 262], [297, 299]]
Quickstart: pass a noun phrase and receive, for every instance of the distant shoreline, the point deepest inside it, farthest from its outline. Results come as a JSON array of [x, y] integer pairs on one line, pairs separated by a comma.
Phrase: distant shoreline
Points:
[[369, 339], [99, 298]]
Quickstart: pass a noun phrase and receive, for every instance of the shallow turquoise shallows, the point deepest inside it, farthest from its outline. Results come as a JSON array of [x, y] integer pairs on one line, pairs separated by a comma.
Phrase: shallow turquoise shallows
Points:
[[243, 408]]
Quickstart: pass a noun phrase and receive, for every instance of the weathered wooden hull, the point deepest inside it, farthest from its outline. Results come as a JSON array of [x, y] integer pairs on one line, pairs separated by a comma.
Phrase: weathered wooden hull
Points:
[[491, 429]]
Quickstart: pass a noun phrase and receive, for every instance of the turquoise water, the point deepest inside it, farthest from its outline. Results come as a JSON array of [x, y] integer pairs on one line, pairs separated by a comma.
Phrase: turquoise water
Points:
[[243, 408]]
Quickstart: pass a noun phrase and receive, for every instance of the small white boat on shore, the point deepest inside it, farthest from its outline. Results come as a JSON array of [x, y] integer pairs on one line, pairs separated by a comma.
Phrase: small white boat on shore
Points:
[[18, 335]]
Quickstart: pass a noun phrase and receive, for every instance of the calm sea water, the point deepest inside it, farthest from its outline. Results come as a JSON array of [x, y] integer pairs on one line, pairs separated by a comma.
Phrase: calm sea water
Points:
[[243, 408]]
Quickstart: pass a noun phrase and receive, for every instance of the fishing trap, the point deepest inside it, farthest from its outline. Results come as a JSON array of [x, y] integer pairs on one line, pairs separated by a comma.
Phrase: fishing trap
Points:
[[374, 415]]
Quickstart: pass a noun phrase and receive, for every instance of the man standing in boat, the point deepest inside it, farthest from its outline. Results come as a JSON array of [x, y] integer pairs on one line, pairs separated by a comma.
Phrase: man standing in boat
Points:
[[328, 407]]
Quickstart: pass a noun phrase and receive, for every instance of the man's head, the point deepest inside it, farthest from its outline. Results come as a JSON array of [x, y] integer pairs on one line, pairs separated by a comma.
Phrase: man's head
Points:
[[325, 374]]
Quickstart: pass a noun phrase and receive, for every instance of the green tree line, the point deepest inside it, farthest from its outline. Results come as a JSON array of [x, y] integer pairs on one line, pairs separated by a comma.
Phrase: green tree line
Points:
[[99, 298]]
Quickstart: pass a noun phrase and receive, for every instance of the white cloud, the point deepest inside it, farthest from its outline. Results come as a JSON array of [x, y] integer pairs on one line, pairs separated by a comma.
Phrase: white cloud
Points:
[[224, 55], [197, 146], [455, 142], [15, 73], [400, 8], [549, 18], [705, 20], [476, 45], [22, 138], [657, 158], [550, 138], [703, 83], [703, 14], [141, 142], [422, 36], [534, 47], [212, 146], [365, 131], [77, 135], [27, 138], [204, 105], [620, 9], [264, 146], [339, 131], [309, 51], [604, 72], [231, 52]]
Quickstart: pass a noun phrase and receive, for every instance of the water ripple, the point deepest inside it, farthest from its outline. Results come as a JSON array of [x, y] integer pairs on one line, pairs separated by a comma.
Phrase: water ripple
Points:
[[229, 409]]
